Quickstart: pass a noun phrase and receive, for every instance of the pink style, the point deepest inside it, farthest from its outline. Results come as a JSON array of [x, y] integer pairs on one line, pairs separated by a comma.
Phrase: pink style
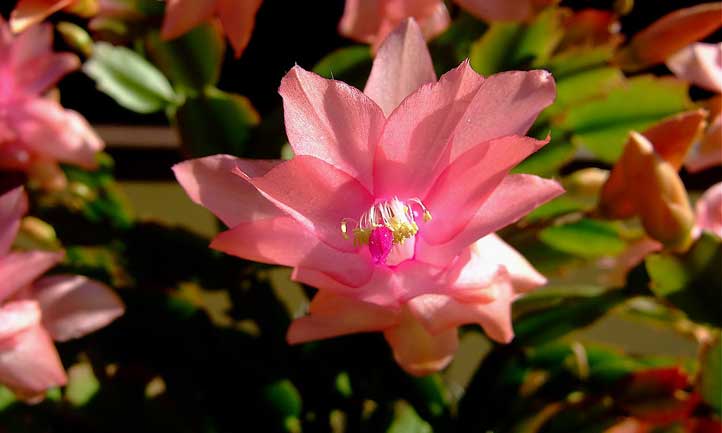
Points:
[[390, 204], [34, 312], [36, 132]]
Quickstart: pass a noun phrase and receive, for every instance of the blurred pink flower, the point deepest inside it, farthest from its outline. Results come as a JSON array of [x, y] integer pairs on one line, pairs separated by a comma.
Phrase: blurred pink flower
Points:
[[370, 21], [701, 65], [31, 12], [390, 204], [709, 210], [237, 18], [36, 132], [34, 313]]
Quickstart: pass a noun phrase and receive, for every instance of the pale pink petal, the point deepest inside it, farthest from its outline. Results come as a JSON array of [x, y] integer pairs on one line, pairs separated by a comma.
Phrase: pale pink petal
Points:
[[51, 132], [708, 152], [361, 19], [416, 350], [709, 210], [516, 196], [29, 12], [238, 18], [16, 317], [183, 15], [402, 65], [286, 242], [18, 270], [36, 66], [74, 305], [700, 64], [436, 21], [316, 194], [332, 121], [332, 315], [472, 278], [506, 104], [29, 363], [498, 10], [413, 148], [377, 290], [468, 181], [13, 205], [439, 313], [491, 249], [211, 182]]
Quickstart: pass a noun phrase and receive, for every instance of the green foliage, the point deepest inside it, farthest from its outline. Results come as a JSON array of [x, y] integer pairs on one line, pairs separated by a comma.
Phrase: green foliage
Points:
[[351, 65], [129, 79], [215, 122], [690, 281], [710, 380], [585, 238], [192, 61], [603, 125]]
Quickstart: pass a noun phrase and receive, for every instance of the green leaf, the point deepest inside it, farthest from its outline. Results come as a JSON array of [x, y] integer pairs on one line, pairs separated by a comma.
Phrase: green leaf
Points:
[[710, 382], [406, 420], [690, 281], [216, 122], [284, 397], [350, 64], [549, 159], [567, 315], [603, 125], [192, 61], [507, 46], [584, 86], [129, 79], [585, 238], [579, 59]]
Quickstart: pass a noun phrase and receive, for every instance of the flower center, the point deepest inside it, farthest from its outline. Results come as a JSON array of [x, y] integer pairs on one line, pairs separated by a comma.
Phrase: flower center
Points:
[[385, 225]]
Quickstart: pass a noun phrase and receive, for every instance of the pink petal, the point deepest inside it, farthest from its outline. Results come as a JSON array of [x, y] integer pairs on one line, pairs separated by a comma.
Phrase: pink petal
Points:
[[416, 350], [37, 67], [74, 306], [709, 210], [331, 121], [332, 315], [13, 205], [700, 64], [52, 132], [516, 196], [498, 10], [506, 104], [377, 289], [29, 12], [468, 181], [18, 270], [183, 15], [402, 65], [29, 363], [439, 313], [211, 182], [413, 148], [492, 249], [316, 194], [708, 152], [361, 19], [286, 242], [238, 18], [16, 317], [436, 22]]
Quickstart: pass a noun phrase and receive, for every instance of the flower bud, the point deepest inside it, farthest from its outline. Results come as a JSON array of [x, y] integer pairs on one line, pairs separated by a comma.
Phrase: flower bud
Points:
[[76, 37]]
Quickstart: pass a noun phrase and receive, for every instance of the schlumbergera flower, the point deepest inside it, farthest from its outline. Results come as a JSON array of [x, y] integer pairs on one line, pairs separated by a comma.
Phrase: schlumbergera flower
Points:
[[34, 312], [390, 204], [237, 18], [30, 12], [36, 132], [701, 65], [370, 21]]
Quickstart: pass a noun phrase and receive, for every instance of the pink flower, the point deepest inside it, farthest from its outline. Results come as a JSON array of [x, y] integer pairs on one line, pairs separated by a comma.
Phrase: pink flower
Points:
[[36, 132], [34, 313], [709, 210], [425, 160], [237, 18], [370, 21], [701, 65]]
